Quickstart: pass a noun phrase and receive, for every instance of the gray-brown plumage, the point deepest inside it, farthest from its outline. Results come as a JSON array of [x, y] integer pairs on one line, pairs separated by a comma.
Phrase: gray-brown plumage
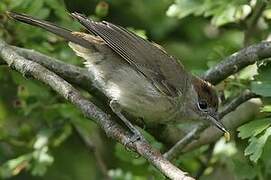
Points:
[[139, 76]]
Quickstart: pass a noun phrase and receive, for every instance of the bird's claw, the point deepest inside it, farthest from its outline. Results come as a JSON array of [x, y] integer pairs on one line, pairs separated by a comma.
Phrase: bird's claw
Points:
[[128, 145]]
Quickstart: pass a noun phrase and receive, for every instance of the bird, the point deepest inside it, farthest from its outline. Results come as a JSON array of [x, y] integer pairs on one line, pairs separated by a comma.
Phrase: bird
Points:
[[141, 78]]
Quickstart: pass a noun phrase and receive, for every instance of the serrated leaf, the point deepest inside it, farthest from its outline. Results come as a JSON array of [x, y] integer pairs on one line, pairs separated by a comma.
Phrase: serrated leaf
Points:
[[253, 128], [255, 148]]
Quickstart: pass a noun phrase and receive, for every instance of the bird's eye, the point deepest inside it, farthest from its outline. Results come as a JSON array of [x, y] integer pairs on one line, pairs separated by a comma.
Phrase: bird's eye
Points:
[[202, 105]]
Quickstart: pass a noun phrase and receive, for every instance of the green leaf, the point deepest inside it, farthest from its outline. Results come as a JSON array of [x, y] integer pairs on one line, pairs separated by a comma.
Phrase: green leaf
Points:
[[139, 32], [123, 154], [101, 9], [267, 13], [266, 108], [264, 71], [256, 145], [35, 7], [262, 83], [57, 7], [183, 8], [253, 128], [15, 3], [42, 159], [14, 166], [65, 133], [42, 139], [224, 16], [244, 170], [262, 88], [222, 12]]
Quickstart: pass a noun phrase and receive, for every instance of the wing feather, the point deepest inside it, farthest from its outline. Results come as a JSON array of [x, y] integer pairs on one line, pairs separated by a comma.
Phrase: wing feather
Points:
[[163, 70]]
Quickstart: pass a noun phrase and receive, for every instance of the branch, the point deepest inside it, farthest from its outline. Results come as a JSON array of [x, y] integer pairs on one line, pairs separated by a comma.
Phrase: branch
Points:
[[71, 73], [176, 150], [237, 61], [236, 102], [112, 129], [168, 135]]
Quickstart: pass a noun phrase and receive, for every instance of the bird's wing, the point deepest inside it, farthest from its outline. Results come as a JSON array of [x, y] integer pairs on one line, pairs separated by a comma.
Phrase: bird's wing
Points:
[[166, 74]]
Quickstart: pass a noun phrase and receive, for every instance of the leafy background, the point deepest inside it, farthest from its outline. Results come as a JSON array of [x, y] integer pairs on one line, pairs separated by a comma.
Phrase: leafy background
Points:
[[43, 137]]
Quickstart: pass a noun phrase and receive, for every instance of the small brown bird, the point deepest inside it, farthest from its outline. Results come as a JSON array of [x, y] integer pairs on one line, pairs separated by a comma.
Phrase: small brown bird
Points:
[[141, 78]]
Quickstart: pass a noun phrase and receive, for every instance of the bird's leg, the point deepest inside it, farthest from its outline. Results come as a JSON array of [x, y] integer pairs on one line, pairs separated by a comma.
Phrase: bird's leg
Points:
[[136, 133]]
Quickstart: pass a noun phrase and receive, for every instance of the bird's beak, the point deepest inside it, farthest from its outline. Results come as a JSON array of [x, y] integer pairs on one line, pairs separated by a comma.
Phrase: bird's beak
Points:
[[214, 119]]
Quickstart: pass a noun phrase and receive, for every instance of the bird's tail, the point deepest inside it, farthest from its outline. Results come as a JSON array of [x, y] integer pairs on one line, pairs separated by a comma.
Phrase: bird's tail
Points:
[[60, 31]]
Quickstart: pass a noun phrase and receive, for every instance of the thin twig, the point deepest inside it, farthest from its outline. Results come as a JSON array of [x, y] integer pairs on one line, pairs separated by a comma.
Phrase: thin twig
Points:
[[251, 22], [112, 129], [236, 102], [237, 61], [205, 164], [176, 150]]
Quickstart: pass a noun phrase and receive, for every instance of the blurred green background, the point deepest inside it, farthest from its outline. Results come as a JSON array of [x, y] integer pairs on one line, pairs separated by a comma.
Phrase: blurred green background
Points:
[[44, 137]]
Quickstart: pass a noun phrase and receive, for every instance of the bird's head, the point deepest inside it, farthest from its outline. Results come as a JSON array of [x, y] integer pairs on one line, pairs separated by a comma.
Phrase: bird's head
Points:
[[205, 103]]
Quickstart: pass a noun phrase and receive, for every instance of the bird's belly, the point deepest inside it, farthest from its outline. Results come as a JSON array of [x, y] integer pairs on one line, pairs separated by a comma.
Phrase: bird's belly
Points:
[[152, 109], [132, 91]]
